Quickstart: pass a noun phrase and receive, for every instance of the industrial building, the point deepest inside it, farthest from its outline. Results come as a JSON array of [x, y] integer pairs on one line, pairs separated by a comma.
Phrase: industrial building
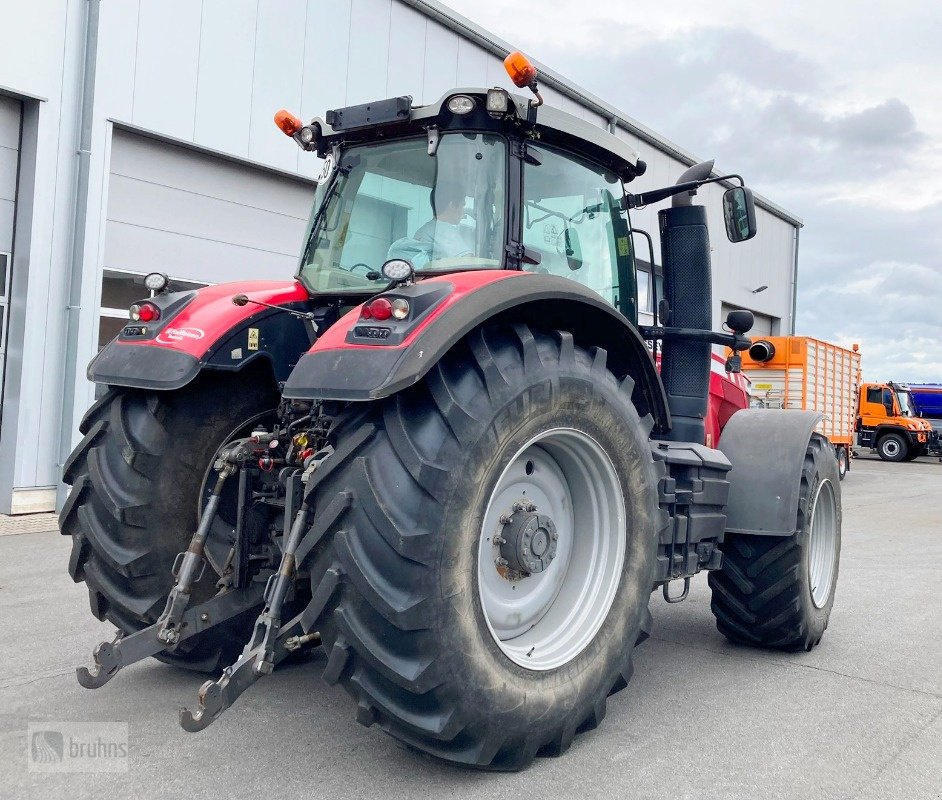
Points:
[[137, 136]]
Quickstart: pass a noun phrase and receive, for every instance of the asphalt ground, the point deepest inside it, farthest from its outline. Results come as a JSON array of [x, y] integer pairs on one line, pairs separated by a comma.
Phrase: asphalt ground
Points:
[[858, 717]]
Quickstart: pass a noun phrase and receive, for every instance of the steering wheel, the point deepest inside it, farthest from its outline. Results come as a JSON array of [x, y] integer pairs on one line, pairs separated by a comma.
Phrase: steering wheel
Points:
[[361, 265]]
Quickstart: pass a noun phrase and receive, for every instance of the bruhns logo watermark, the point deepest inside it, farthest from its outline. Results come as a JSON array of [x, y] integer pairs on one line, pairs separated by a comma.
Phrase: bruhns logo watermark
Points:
[[77, 747]]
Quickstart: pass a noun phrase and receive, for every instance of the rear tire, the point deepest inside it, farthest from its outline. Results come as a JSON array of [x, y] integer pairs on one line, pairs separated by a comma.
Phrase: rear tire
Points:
[[892, 447], [778, 592], [136, 479], [396, 580], [843, 461]]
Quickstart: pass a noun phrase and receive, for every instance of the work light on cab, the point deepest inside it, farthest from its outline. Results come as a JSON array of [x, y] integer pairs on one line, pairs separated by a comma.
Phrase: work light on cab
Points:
[[398, 270], [156, 281], [144, 312], [461, 104]]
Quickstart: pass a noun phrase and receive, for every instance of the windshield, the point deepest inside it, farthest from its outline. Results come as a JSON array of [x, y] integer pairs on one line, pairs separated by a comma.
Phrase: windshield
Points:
[[394, 200], [902, 398]]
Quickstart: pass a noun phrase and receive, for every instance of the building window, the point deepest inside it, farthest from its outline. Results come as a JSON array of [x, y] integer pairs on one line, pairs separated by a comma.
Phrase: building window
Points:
[[120, 290], [644, 292]]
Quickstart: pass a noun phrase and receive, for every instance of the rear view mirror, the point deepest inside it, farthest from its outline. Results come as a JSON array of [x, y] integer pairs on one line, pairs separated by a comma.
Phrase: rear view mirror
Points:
[[739, 213], [568, 245]]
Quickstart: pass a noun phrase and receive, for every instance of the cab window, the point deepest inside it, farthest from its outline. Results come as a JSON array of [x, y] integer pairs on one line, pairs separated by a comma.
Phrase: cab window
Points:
[[573, 221]]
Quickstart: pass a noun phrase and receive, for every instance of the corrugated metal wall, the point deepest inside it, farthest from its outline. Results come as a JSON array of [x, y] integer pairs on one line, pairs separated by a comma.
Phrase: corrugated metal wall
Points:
[[179, 211]]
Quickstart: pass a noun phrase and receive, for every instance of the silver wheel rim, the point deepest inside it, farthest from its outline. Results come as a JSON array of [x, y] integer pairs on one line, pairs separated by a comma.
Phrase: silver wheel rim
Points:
[[823, 544], [891, 447], [544, 620]]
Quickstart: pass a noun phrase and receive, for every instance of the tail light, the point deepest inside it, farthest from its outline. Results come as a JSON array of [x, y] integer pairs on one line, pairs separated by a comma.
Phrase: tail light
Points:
[[144, 312], [378, 309]]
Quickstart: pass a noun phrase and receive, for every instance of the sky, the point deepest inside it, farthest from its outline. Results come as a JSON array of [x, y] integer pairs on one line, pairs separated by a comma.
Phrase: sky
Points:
[[831, 109]]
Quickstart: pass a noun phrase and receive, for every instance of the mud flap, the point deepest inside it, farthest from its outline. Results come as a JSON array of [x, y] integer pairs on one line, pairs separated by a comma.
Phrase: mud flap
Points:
[[767, 449]]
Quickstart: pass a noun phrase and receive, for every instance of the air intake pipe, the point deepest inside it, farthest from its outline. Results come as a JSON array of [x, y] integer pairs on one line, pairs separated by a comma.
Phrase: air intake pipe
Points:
[[688, 285], [762, 351]]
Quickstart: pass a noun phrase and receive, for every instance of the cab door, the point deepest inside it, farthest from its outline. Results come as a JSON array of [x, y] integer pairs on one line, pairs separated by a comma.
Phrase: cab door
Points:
[[873, 411], [573, 221]]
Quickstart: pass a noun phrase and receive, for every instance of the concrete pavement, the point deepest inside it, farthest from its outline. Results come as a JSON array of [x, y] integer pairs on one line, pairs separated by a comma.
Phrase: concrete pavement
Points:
[[859, 717]]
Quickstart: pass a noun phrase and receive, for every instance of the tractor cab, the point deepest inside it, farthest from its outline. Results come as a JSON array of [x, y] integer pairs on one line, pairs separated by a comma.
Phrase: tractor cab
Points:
[[477, 180]]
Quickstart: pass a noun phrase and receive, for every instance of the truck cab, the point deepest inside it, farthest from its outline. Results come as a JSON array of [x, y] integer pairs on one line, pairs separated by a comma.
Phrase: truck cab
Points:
[[887, 423]]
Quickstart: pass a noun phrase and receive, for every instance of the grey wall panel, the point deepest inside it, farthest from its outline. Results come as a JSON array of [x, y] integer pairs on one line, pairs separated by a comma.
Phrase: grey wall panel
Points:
[[144, 250], [196, 216], [7, 209], [324, 78], [117, 55], [472, 64], [279, 66], [406, 59], [190, 170], [9, 156], [150, 205], [7, 216], [368, 53], [441, 61], [10, 113], [166, 69], [9, 123], [226, 64]]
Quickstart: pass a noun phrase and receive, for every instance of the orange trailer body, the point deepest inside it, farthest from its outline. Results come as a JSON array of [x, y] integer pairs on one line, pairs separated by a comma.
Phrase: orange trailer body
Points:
[[811, 375]]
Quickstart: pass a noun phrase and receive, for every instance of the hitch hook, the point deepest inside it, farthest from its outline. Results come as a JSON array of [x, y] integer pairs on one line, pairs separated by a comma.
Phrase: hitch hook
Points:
[[267, 646]]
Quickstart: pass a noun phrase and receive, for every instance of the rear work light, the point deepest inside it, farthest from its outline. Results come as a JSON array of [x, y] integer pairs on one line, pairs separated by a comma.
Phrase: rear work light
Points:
[[461, 104], [400, 308], [144, 312]]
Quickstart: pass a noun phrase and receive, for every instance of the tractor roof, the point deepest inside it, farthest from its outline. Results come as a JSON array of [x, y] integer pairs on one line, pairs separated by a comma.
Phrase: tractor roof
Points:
[[397, 117]]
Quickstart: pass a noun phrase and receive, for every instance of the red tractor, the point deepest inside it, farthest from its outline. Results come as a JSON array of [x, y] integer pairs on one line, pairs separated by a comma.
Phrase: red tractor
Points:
[[443, 452]]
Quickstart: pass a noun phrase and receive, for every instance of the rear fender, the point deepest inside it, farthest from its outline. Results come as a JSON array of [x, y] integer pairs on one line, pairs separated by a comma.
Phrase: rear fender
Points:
[[345, 364], [767, 450], [203, 329]]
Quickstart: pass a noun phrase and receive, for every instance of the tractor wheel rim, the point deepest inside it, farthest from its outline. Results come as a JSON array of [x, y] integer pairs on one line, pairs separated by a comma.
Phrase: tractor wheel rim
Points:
[[544, 620], [823, 543], [891, 447]]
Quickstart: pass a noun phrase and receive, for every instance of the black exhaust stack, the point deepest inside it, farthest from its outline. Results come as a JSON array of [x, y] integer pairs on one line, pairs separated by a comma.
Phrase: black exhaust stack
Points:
[[688, 290]]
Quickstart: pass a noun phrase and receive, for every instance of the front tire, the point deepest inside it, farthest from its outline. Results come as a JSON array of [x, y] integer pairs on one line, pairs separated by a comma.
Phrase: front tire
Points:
[[892, 447], [778, 591], [417, 628], [136, 482]]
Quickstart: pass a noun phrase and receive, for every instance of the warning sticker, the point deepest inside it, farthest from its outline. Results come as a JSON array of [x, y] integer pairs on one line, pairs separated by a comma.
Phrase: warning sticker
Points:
[[624, 246], [762, 387], [253, 339]]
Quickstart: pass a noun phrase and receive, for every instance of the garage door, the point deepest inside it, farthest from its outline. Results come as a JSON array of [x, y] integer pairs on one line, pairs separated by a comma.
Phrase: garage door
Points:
[[198, 218], [764, 324], [10, 113]]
